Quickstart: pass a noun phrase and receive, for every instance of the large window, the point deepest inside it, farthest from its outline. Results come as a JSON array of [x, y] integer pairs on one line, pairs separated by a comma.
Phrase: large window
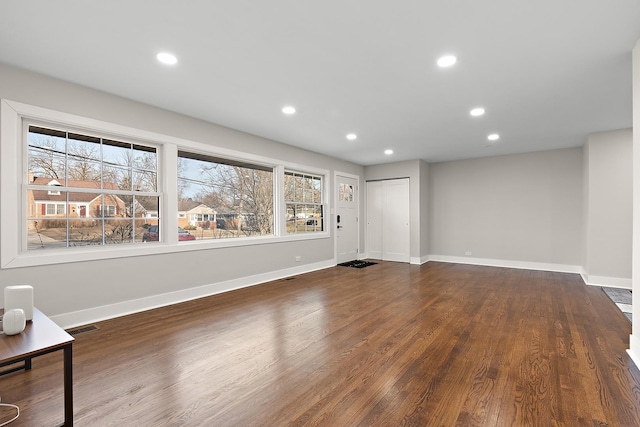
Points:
[[221, 198], [304, 205], [86, 190], [113, 191]]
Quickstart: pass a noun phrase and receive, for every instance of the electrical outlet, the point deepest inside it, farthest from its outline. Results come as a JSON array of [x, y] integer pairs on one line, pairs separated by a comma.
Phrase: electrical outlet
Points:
[[298, 258], [467, 253]]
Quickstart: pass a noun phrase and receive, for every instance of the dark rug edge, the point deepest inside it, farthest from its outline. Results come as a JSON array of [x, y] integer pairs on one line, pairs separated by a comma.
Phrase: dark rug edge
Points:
[[357, 264]]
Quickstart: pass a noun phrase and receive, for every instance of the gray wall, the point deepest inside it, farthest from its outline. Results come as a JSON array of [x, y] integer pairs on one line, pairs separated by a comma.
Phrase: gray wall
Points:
[[524, 208], [608, 173], [66, 288]]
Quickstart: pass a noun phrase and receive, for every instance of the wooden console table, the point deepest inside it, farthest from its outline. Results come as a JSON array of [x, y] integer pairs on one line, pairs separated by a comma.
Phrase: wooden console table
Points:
[[41, 336]]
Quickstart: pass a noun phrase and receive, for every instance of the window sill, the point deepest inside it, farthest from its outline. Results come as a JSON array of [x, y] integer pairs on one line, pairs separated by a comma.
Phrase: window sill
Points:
[[64, 256]]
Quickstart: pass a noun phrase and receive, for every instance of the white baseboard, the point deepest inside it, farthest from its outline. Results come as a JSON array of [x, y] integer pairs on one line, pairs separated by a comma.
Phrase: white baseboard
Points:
[[634, 349], [525, 265], [420, 260], [96, 314], [607, 282]]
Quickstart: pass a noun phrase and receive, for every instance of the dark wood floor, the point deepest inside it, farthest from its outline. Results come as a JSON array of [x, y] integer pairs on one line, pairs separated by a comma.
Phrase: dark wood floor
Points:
[[391, 344]]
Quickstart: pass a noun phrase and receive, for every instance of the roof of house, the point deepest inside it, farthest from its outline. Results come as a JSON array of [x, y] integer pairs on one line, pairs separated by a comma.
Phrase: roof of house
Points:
[[50, 195], [149, 203], [190, 205]]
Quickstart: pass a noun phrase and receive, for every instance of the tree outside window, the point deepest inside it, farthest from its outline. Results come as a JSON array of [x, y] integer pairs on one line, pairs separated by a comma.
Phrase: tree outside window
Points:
[[240, 194]]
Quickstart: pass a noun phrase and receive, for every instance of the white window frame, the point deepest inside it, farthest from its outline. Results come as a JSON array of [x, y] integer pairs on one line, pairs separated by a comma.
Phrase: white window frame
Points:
[[322, 202], [13, 172]]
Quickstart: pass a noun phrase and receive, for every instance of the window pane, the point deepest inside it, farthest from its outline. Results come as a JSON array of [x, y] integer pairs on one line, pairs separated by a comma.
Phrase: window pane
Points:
[[304, 208], [144, 180], [118, 231], [298, 191], [60, 161], [116, 153], [147, 208], [85, 232], [317, 190], [308, 189], [46, 155], [289, 187], [145, 166], [46, 234], [83, 160], [219, 198], [116, 178]]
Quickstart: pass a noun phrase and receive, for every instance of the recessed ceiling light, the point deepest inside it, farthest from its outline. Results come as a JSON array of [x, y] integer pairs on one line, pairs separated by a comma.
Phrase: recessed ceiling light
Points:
[[493, 137], [447, 61], [351, 136], [388, 152], [289, 110], [167, 58], [477, 111]]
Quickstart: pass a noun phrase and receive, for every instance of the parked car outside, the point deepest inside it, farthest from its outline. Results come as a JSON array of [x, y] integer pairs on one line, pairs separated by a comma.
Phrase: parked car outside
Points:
[[152, 235]]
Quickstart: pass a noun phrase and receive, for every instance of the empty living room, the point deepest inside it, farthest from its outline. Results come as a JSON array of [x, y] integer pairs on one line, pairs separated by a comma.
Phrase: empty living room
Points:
[[330, 214]]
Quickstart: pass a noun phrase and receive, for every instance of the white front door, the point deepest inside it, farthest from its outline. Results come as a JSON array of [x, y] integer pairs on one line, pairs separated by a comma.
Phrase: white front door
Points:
[[346, 220]]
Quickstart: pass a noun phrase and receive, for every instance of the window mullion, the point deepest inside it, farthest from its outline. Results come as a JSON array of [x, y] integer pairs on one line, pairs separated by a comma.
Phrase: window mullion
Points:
[[169, 205]]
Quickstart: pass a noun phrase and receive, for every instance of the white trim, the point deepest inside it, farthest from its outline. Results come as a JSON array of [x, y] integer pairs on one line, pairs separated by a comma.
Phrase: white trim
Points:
[[525, 265], [420, 260], [96, 314], [634, 349], [607, 282], [10, 171]]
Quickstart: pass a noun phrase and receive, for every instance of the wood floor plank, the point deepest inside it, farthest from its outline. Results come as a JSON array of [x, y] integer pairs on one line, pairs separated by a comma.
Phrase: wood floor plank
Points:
[[391, 344]]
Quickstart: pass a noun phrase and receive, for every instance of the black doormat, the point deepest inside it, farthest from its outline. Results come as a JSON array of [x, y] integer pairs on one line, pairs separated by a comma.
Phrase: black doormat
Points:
[[621, 298], [357, 264]]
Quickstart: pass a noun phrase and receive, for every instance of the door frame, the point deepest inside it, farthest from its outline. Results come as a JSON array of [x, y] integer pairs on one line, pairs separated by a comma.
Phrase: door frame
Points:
[[334, 186]]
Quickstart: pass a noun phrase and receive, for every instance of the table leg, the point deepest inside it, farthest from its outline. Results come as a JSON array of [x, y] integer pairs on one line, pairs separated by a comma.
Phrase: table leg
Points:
[[68, 386]]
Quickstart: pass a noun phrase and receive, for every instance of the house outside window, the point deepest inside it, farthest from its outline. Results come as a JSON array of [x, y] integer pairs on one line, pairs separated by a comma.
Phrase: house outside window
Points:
[[304, 204], [92, 185], [225, 198]]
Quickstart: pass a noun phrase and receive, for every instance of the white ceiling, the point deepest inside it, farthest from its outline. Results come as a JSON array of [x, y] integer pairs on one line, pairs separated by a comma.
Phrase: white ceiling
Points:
[[548, 72]]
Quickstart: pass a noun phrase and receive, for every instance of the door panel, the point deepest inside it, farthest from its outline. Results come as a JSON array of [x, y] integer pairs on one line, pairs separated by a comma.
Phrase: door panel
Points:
[[375, 202], [396, 234], [388, 226], [346, 222]]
